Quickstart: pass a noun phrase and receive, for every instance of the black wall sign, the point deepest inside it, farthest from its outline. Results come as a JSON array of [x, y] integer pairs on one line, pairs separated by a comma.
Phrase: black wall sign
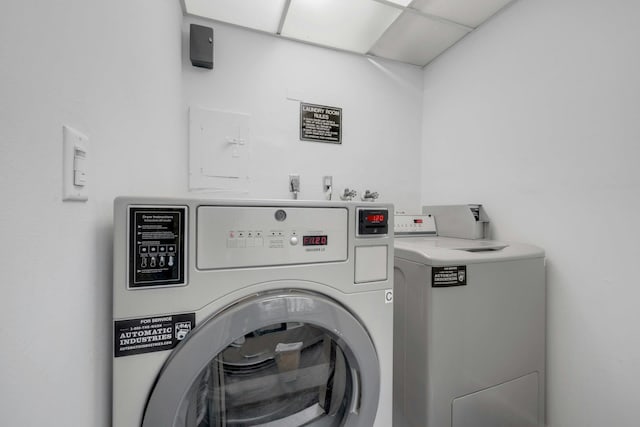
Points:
[[149, 334], [455, 275], [320, 123], [156, 246]]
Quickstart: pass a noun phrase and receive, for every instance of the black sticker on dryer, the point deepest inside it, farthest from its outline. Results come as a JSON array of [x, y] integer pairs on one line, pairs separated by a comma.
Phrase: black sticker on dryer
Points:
[[454, 275], [149, 334], [156, 246]]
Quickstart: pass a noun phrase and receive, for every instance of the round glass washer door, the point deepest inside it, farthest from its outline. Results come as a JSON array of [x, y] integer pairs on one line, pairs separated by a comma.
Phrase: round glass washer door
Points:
[[286, 358]]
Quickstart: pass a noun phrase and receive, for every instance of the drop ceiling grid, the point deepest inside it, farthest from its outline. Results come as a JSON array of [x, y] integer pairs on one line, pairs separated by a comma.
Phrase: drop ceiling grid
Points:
[[415, 34]]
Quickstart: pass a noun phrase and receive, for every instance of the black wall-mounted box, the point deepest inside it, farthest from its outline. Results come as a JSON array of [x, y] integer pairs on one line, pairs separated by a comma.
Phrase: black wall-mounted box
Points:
[[201, 46]]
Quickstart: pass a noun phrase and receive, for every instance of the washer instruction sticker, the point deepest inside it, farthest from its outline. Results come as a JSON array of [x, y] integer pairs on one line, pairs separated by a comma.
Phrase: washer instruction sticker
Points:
[[149, 334], [454, 275], [156, 246]]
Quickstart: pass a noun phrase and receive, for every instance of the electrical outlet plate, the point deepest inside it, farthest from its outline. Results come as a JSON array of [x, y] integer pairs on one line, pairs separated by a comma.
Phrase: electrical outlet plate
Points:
[[74, 165], [327, 186], [294, 183]]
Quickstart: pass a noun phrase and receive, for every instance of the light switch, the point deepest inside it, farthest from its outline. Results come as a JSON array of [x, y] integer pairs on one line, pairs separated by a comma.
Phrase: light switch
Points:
[[79, 167], [74, 165]]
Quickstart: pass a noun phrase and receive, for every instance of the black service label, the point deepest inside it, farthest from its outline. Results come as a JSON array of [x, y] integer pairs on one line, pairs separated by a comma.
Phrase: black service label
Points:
[[455, 275], [156, 246], [149, 334]]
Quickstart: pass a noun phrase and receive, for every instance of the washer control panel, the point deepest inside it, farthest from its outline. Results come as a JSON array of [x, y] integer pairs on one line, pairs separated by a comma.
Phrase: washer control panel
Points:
[[412, 225], [242, 236]]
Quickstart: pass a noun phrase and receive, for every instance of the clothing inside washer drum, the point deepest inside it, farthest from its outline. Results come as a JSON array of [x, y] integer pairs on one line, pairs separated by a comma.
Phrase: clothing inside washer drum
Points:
[[287, 374]]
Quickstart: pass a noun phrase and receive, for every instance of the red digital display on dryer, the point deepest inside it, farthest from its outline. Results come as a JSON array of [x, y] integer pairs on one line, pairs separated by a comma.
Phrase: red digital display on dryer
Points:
[[314, 240], [376, 218]]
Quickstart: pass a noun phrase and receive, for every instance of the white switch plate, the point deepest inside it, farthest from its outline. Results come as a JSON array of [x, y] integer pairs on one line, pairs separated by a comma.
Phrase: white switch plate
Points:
[[74, 142]]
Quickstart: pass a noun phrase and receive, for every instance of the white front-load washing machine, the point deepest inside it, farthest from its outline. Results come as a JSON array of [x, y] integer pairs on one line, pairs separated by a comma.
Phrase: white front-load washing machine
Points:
[[252, 313], [469, 330]]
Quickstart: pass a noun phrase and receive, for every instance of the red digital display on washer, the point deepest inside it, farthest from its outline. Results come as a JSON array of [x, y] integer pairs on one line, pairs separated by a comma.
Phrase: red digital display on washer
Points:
[[314, 240]]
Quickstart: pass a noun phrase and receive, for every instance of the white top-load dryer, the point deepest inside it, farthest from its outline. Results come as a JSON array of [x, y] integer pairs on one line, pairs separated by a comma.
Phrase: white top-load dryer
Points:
[[469, 330], [252, 313]]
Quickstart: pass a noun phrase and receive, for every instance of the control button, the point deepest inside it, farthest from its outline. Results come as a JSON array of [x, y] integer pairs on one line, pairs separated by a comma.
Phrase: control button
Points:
[[144, 249], [293, 240], [163, 249], [170, 261], [172, 248]]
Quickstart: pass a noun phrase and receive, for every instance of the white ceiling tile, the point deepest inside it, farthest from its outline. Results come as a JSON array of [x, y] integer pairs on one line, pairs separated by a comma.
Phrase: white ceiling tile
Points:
[[261, 15], [417, 40], [467, 12], [374, 26], [353, 25]]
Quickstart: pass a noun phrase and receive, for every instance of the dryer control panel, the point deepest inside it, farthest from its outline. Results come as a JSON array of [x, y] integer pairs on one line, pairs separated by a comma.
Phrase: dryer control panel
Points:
[[242, 236], [373, 221]]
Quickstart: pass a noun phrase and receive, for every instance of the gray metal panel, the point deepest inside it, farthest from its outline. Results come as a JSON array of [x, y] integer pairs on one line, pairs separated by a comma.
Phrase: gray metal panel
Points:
[[411, 402], [514, 403], [461, 221], [213, 336], [454, 341], [281, 240], [199, 290]]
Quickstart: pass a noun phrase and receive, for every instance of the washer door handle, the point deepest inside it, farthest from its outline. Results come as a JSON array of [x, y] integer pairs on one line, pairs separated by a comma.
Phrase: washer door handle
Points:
[[355, 394]]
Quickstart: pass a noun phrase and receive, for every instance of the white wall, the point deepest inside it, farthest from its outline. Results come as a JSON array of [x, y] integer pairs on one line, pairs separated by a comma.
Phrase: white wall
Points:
[[381, 104], [117, 71], [536, 116], [112, 70]]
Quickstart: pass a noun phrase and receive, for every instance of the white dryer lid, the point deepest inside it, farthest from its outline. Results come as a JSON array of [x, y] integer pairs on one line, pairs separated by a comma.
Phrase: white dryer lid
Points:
[[449, 251]]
